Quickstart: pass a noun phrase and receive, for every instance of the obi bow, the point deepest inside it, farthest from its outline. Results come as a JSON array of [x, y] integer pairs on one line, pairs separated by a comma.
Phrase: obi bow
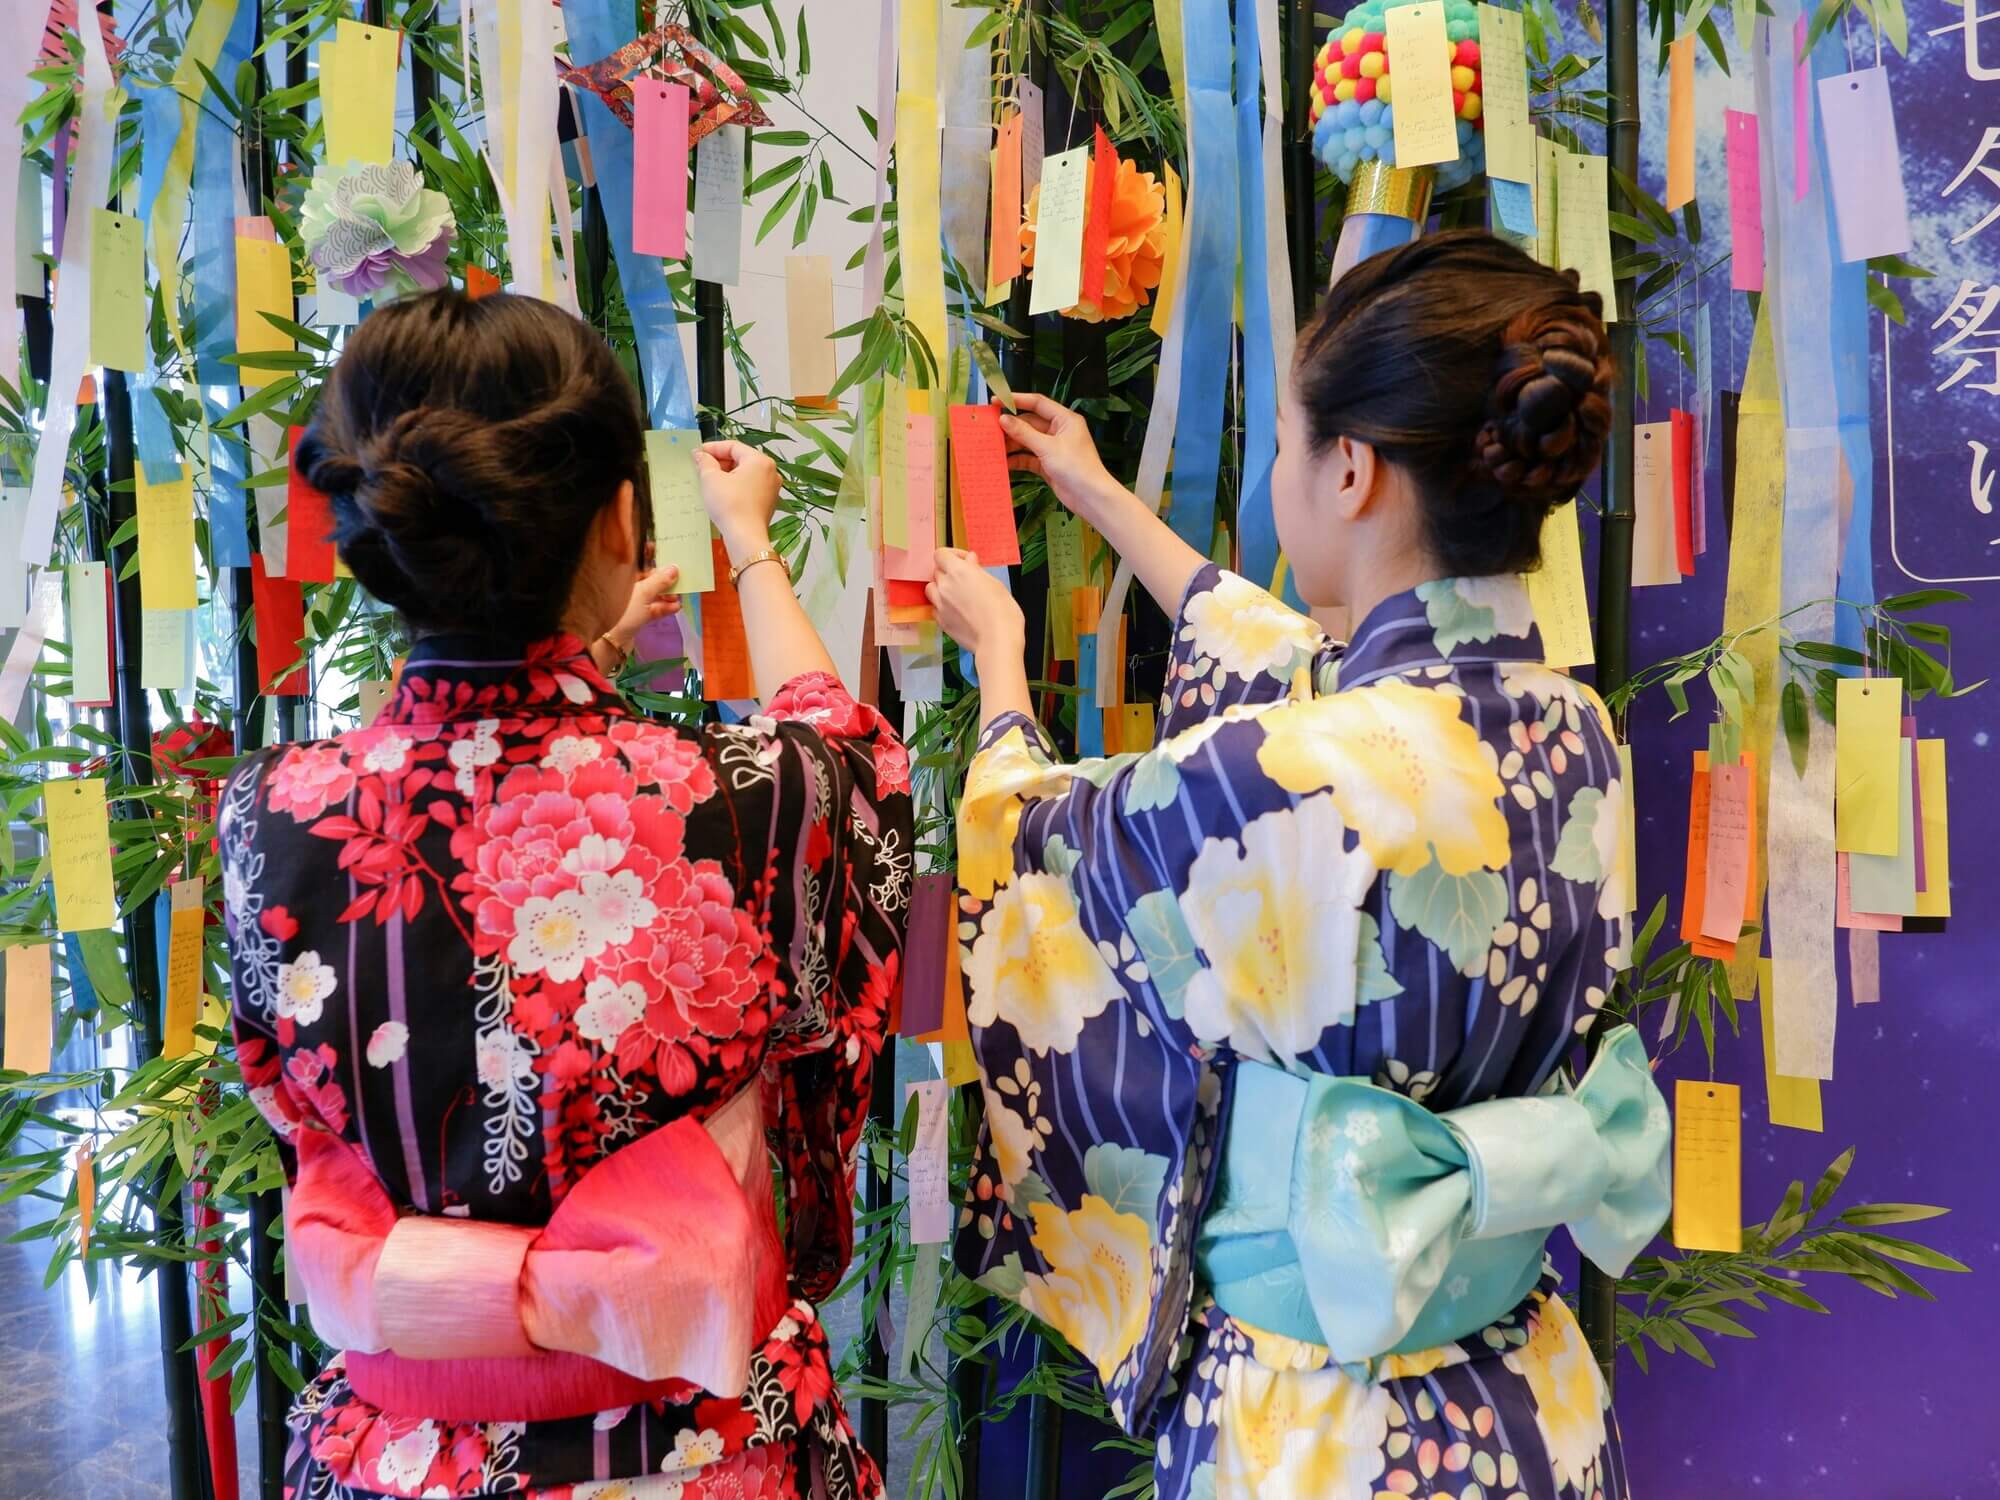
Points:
[[1351, 1216], [661, 1264]]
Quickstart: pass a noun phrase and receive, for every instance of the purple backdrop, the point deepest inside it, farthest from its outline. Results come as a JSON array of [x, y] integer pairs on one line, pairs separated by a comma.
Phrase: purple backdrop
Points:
[[1881, 1399]]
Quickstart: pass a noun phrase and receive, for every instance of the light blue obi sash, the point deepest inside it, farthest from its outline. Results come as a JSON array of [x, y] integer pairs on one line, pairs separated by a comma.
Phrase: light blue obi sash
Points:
[[1351, 1216]]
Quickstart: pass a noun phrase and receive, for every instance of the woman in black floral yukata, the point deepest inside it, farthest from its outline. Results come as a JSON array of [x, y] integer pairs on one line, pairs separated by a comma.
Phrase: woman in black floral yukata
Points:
[[532, 986]]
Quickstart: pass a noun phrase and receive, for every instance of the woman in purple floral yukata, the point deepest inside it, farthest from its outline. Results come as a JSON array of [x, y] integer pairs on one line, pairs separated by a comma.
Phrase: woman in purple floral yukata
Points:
[[532, 988]]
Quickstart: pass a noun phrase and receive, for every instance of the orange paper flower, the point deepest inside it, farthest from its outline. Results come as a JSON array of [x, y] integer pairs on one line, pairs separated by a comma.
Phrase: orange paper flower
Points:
[[1136, 249]]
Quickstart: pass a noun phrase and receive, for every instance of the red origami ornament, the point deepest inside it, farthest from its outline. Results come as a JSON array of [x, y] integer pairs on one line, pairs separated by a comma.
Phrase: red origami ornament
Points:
[[717, 96]]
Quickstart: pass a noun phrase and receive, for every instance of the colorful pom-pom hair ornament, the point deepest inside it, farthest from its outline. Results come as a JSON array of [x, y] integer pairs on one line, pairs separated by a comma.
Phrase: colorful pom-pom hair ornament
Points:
[[1354, 134]]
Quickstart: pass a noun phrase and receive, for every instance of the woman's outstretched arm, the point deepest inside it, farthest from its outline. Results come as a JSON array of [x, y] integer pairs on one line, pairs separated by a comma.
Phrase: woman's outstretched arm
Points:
[[739, 486], [1049, 439]]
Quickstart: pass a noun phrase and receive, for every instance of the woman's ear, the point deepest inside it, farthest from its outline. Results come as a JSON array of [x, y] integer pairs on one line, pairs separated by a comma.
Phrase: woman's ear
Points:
[[616, 528], [1355, 473]]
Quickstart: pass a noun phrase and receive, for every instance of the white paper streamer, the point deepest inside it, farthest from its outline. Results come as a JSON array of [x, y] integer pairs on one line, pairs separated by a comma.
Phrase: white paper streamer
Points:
[[90, 182], [1277, 252], [1801, 859], [267, 451], [529, 99], [873, 269], [563, 292], [967, 141], [1158, 446]]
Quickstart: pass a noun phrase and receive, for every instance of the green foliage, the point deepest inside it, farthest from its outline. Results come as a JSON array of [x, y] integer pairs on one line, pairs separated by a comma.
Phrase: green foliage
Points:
[[1669, 1301]]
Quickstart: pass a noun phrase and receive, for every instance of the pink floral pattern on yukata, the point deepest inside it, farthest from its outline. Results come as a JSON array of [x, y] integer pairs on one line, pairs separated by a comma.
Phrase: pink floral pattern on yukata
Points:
[[510, 928]]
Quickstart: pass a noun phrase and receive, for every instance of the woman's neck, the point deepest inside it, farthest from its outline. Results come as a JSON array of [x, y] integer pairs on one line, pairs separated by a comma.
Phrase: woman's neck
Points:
[[1378, 581]]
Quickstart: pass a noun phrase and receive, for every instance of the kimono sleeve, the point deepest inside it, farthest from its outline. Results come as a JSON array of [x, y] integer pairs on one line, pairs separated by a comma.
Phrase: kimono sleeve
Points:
[[1102, 1038], [837, 873], [1234, 644]]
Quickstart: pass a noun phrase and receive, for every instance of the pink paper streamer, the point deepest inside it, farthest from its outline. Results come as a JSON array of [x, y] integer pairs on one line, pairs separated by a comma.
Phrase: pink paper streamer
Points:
[[1746, 203]]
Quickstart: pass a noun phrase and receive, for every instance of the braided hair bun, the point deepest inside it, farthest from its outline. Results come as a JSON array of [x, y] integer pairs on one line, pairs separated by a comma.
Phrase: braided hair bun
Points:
[[1480, 373], [1550, 406]]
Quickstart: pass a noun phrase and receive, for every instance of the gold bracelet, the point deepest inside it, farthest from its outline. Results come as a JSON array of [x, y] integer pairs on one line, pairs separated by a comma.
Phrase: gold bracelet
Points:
[[624, 652], [769, 554]]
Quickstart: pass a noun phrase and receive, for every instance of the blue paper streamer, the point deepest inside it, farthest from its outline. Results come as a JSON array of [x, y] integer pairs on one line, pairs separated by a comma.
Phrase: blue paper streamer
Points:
[[1256, 525], [160, 132], [82, 993], [1847, 330], [1211, 275], [228, 467], [1513, 205], [1089, 717], [212, 269], [595, 32], [211, 260], [1823, 320]]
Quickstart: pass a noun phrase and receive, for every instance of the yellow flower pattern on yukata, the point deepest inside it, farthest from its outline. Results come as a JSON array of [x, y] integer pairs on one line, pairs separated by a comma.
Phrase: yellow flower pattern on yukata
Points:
[[1033, 967], [1408, 773], [1568, 1390], [1003, 776], [1382, 861], [1098, 1288], [1278, 918], [1245, 632], [1290, 1435]]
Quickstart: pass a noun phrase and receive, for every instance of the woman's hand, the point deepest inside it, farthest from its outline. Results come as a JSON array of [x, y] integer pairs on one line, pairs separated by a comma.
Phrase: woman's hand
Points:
[[739, 489], [1051, 440], [974, 607], [653, 598]]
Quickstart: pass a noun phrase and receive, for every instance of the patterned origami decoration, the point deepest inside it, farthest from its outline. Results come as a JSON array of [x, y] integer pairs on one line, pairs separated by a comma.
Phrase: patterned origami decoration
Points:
[[717, 96], [376, 228]]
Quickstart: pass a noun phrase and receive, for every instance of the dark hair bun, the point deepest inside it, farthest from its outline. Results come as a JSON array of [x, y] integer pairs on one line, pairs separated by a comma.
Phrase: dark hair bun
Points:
[[1550, 406], [1482, 374], [465, 448]]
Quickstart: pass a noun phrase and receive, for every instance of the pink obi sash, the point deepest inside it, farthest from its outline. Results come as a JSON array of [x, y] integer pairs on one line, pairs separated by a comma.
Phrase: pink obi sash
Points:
[[661, 1269]]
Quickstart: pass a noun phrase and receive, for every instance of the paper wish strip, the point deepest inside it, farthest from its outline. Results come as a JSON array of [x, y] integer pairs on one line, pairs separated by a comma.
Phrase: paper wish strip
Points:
[[1557, 594], [1426, 125], [659, 167], [716, 242], [682, 536], [357, 84], [809, 327], [90, 634], [79, 829]]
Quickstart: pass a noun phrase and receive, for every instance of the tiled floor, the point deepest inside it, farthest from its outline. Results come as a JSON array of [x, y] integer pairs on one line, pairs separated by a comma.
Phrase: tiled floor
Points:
[[82, 1407]]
